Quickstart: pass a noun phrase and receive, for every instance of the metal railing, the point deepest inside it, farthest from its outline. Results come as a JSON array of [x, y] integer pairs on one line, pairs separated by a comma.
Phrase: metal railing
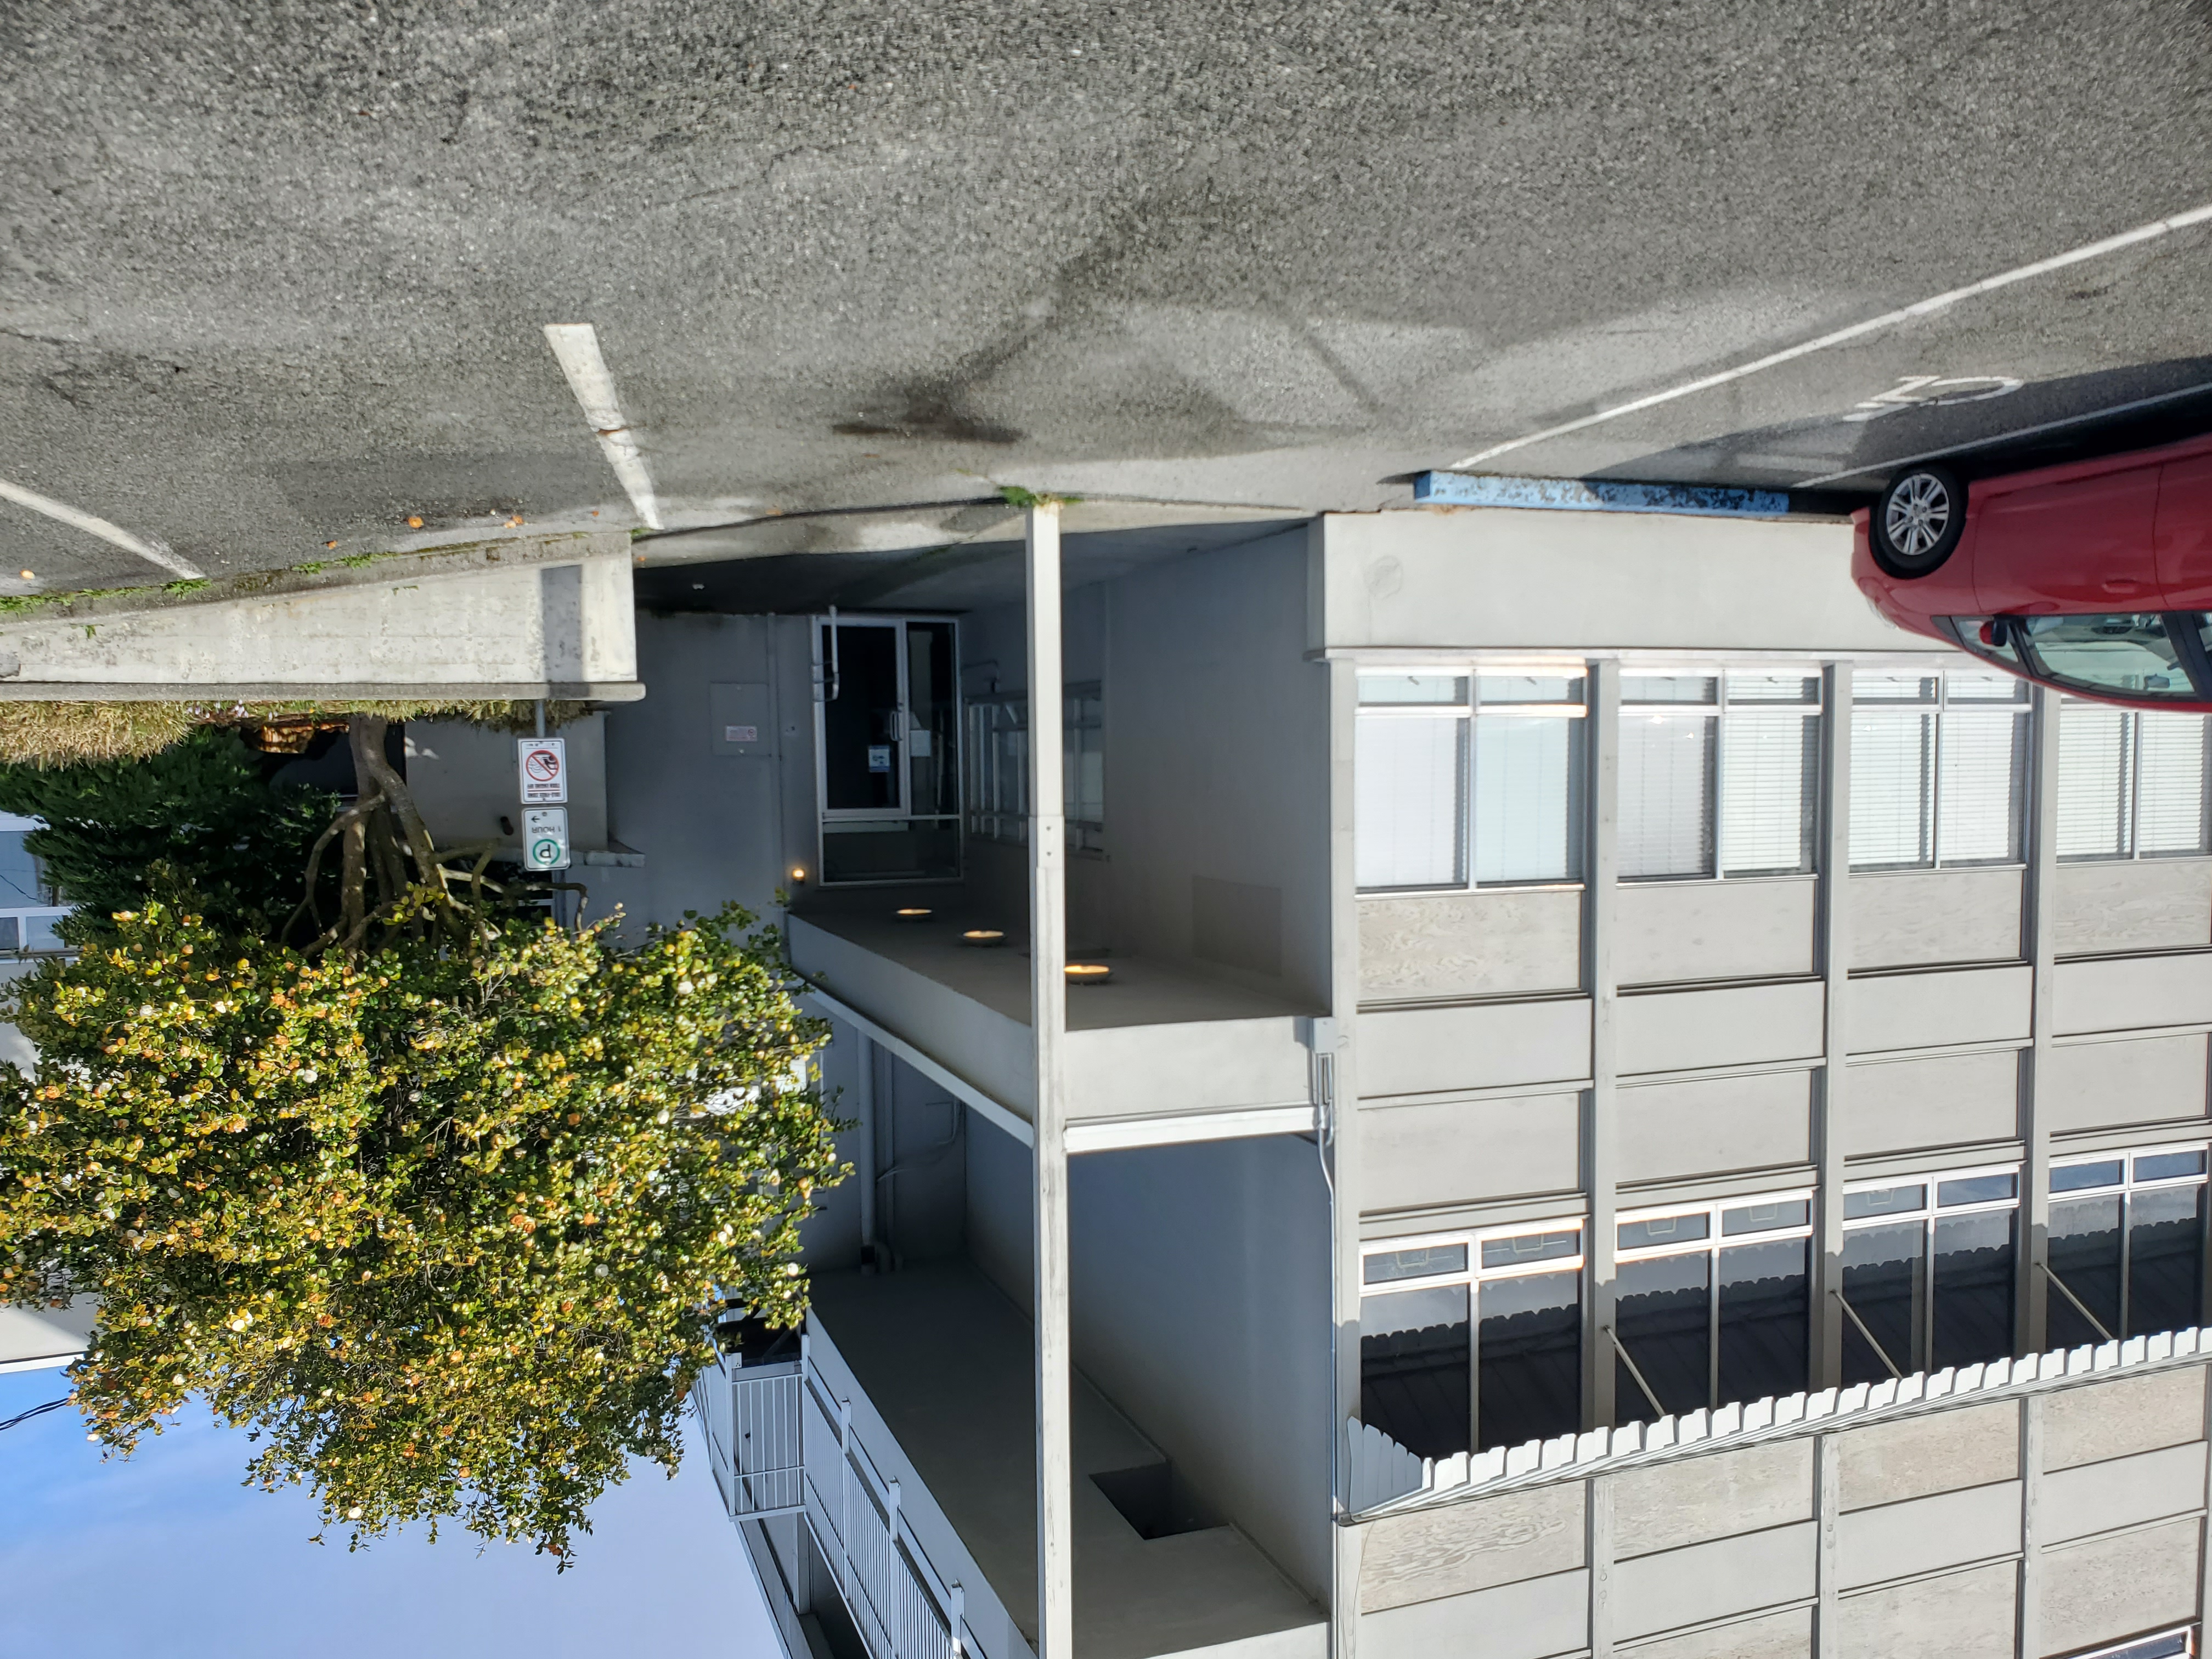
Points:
[[781, 1443], [903, 1606], [752, 1424]]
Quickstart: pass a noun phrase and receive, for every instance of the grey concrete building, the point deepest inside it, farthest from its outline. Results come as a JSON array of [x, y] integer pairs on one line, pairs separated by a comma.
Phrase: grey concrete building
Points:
[[1528, 1084]]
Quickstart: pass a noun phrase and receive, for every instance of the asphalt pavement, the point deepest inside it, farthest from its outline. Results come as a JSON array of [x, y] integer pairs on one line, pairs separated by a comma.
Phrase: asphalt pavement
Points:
[[274, 277]]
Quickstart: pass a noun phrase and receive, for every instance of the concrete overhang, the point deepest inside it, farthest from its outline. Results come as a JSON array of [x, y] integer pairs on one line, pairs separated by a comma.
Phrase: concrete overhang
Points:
[[942, 556], [520, 617]]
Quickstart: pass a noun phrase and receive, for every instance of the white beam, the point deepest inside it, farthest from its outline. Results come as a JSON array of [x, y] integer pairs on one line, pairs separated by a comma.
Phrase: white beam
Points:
[[1056, 1622]]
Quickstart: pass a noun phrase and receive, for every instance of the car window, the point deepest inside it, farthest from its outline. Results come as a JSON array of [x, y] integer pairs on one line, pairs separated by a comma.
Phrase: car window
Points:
[[1997, 647], [2126, 654]]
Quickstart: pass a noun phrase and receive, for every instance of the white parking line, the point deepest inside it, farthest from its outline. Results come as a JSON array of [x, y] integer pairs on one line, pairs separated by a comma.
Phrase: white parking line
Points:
[[577, 346], [152, 549], [2007, 437], [1858, 331]]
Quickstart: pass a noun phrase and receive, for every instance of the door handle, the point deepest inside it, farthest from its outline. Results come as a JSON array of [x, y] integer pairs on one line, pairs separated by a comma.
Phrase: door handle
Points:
[[2123, 584]]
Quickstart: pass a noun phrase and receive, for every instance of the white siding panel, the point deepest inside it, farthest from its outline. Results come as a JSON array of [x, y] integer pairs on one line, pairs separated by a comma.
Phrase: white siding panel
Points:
[[1477, 1046], [1945, 1100], [1707, 1125], [2094, 1085], [1732, 1025], [2134, 905], [1924, 1011], [1457, 1152], [2122, 993], [1470, 944], [1713, 930], [1923, 919]]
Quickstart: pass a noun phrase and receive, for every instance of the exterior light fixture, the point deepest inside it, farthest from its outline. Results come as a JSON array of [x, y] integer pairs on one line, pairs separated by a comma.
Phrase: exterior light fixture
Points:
[[983, 938], [1088, 972], [912, 913], [798, 873]]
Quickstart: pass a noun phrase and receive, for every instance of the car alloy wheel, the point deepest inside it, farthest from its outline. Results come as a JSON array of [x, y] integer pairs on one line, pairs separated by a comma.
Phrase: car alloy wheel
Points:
[[1919, 520]]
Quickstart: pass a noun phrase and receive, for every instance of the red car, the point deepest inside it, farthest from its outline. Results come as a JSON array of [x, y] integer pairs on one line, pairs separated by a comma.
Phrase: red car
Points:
[[2096, 577]]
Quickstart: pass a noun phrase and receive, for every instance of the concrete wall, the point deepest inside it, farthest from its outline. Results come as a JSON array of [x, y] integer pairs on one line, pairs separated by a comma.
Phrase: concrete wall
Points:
[[1217, 766], [1918, 1544], [715, 821], [1201, 1306], [1462, 577]]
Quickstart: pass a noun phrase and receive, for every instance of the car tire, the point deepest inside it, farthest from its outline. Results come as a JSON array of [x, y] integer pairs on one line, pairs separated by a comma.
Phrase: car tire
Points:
[[1917, 521]]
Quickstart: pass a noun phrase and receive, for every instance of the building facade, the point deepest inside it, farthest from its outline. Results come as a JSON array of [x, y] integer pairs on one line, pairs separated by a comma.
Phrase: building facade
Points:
[[1606, 1098]]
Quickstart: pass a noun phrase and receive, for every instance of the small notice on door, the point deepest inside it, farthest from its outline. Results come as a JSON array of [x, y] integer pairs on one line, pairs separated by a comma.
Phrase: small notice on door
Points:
[[879, 758], [741, 734], [544, 766]]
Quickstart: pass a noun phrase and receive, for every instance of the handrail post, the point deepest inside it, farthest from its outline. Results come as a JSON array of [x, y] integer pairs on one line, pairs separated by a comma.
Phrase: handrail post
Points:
[[845, 1496]]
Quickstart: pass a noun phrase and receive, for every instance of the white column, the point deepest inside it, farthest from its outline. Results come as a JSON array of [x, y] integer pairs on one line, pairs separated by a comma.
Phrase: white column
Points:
[[864, 1146], [2031, 1324], [1835, 886], [1342, 1162], [1048, 1032], [1600, 904]]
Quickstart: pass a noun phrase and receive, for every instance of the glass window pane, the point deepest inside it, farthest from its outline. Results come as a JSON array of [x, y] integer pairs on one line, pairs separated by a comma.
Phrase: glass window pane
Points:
[[2166, 1259], [1973, 1288], [1663, 1229], [2127, 653], [1661, 1314], [1528, 688], [1770, 767], [1531, 1247], [1528, 798], [1408, 801], [1977, 1189], [2164, 1166], [1412, 687], [1668, 688], [1893, 793], [2095, 751], [2085, 1258], [2170, 792], [1765, 1334], [2075, 1178], [1773, 687], [1413, 1369], [1766, 1218], [1971, 685], [1984, 769], [1882, 1285], [1884, 1201], [1414, 1264], [1665, 795], [1531, 1351], [1892, 688]]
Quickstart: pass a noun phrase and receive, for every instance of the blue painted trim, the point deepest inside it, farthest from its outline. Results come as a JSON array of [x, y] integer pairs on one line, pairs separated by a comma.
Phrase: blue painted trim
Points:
[[1596, 496]]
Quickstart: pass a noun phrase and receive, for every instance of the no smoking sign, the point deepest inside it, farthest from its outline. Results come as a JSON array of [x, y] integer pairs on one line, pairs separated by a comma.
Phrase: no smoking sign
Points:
[[544, 767]]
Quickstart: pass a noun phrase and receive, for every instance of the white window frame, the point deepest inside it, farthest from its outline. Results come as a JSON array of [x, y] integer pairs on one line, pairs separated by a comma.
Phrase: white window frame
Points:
[[2134, 851], [1709, 1246], [1469, 709], [1930, 1211], [1474, 1275], [1816, 711], [2126, 1187], [2021, 709], [2135, 1646]]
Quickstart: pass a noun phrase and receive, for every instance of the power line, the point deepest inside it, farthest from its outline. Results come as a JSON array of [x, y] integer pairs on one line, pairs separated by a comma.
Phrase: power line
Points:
[[35, 1410]]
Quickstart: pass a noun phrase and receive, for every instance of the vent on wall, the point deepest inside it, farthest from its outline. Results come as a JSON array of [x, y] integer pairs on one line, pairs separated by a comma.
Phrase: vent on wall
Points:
[[1237, 924]]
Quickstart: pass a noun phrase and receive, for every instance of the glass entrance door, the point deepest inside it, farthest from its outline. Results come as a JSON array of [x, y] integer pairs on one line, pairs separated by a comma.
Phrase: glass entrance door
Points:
[[888, 729]]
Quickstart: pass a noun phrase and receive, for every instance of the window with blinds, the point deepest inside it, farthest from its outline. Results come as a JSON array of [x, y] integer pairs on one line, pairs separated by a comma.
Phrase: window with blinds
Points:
[[1719, 776], [1939, 769], [1465, 779], [2131, 782]]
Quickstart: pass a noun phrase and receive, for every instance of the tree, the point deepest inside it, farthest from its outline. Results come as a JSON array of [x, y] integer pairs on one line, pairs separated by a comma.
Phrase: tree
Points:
[[195, 819], [437, 1202]]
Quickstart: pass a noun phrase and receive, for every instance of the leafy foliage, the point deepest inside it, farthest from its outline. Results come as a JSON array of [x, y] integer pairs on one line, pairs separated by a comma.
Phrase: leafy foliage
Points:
[[441, 1225], [196, 820]]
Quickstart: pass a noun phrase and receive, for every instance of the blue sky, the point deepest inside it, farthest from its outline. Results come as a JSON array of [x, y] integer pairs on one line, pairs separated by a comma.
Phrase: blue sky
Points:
[[166, 1554]]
